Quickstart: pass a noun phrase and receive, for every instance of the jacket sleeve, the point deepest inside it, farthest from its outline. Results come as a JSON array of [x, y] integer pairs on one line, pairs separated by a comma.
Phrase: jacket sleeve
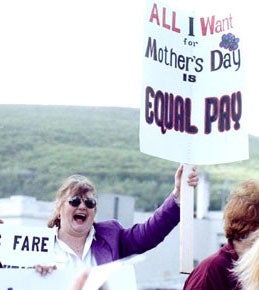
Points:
[[145, 236]]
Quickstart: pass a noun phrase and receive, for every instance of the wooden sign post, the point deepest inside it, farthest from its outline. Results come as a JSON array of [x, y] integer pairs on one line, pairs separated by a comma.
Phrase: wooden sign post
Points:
[[186, 223]]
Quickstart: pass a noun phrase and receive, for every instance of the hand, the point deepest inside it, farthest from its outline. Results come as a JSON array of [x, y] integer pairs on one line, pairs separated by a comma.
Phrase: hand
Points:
[[192, 180], [80, 280], [44, 270]]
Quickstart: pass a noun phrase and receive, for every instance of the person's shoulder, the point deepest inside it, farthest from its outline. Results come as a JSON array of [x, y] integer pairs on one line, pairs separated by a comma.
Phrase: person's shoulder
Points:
[[209, 262], [201, 275], [216, 260], [107, 229], [107, 225]]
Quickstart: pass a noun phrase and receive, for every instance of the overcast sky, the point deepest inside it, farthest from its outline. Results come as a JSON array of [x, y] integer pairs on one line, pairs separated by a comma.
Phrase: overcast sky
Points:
[[84, 53]]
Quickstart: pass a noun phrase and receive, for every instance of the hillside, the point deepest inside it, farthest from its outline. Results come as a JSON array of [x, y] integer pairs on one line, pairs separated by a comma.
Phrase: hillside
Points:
[[42, 145]]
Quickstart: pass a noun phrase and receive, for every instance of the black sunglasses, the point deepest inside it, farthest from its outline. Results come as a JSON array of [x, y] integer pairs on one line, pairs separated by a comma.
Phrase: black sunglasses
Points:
[[90, 202]]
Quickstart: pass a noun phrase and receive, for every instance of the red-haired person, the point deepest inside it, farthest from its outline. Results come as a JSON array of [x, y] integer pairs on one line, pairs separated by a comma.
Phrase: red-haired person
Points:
[[241, 217]]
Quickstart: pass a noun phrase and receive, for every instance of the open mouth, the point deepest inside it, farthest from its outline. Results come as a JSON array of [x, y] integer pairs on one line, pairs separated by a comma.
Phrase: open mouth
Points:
[[80, 218]]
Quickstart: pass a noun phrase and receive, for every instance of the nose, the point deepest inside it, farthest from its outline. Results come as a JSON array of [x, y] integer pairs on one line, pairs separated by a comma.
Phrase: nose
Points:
[[82, 204]]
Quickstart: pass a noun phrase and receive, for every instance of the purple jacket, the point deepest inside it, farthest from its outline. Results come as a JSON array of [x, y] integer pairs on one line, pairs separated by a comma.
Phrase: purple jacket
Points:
[[213, 272], [113, 242]]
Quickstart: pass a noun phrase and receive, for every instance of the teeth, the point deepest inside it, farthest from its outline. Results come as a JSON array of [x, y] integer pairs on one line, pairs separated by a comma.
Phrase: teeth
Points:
[[80, 216]]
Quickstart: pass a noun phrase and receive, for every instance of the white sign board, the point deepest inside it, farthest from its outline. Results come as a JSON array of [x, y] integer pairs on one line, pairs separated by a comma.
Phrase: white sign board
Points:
[[193, 85], [26, 246], [116, 276]]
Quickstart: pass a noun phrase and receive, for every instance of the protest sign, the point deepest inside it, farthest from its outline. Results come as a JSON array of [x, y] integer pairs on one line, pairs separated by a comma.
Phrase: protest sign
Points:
[[24, 279], [193, 93], [26, 246], [193, 88], [116, 276]]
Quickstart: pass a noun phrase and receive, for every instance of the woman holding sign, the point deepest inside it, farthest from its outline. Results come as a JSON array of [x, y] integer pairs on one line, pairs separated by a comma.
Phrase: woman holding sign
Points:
[[82, 242]]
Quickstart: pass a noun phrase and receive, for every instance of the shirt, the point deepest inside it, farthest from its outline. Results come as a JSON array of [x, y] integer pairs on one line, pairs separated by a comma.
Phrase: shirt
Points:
[[66, 257]]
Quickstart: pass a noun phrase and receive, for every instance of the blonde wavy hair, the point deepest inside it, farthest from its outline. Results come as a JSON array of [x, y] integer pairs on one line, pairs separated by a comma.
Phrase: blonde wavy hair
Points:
[[241, 213], [246, 268], [73, 185]]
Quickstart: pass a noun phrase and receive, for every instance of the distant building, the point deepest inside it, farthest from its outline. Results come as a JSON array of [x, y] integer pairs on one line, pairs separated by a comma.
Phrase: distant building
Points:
[[25, 210]]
